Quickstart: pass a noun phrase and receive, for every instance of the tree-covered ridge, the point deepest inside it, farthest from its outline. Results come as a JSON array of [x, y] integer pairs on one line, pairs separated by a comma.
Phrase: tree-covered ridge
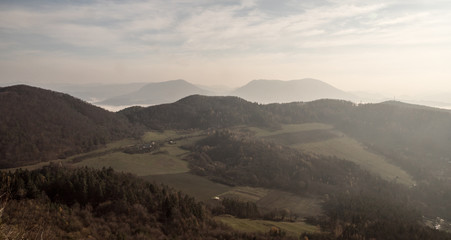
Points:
[[40, 125], [61, 203], [201, 112]]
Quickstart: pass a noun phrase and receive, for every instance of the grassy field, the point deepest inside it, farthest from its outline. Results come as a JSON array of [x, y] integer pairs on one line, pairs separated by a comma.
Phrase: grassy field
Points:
[[294, 229], [269, 199], [302, 206], [196, 186], [167, 160], [335, 144], [349, 149], [105, 149], [302, 137], [290, 128], [266, 199], [169, 135], [159, 135], [247, 194], [139, 164]]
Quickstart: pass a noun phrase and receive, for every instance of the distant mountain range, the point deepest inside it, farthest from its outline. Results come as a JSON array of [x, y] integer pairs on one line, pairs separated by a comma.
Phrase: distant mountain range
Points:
[[115, 97], [276, 91], [156, 93], [261, 91]]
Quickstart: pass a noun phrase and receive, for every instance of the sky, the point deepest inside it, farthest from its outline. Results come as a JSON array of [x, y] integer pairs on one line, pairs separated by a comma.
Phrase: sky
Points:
[[389, 46]]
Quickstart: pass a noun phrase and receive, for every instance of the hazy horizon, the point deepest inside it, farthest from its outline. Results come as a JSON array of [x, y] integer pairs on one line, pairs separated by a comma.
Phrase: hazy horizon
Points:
[[388, 47]]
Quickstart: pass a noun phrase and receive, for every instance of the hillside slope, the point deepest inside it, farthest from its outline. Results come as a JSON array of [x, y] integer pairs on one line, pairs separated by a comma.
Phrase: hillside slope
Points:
[[39, 125]]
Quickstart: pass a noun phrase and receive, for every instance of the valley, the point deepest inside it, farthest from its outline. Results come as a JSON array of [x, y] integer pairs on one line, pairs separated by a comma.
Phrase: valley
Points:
[[168, 165]]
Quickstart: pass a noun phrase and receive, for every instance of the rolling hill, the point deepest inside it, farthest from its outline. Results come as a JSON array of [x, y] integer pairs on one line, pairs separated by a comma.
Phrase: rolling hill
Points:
[[200, 112], [276, 91], [41, 125], [156, 93]]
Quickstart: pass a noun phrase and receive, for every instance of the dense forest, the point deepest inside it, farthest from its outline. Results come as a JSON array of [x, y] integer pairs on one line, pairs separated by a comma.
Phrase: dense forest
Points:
[[61, 203], [40, 125]]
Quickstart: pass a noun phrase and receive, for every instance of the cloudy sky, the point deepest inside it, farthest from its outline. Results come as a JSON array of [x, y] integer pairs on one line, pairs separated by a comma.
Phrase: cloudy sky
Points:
[[399, 47]]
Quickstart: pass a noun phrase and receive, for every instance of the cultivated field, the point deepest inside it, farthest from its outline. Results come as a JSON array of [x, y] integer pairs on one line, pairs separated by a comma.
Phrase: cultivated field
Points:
[[199, 187], [294, 229], [269, 199], [139, 164], [349, 149], [168, 159], [290, 128]]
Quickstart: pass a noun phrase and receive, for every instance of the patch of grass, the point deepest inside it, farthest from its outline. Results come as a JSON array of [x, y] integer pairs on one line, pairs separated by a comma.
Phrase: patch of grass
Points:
[[246, 194], [290, 128], [167, 160], [169, 135], [139, 164], [335, 144], [118, 144], [199, 187], [103, 149], [302, 137], [268, 200], [159, 135], [302, 206], [294, 229], [349, 149]]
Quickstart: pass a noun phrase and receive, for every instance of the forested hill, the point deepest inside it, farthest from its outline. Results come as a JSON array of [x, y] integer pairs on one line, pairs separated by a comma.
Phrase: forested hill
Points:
[[39, 125], [202, 112]]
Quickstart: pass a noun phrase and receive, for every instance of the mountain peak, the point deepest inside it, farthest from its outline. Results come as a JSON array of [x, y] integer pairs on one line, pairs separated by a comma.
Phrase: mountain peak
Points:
[[157, 93], [307, 89]]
